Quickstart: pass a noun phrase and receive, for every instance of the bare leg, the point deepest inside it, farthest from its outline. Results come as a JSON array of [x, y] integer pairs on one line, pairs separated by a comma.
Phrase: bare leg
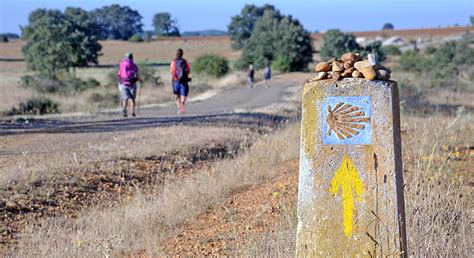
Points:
[[182, 101], [124, 105], [178, 101], [133, 107]]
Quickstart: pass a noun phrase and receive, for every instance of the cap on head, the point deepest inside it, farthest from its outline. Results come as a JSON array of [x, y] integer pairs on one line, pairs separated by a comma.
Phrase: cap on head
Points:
[[129, 55]]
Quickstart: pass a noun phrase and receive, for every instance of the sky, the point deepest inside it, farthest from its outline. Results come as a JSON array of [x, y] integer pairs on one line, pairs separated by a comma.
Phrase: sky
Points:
[[316, 15]]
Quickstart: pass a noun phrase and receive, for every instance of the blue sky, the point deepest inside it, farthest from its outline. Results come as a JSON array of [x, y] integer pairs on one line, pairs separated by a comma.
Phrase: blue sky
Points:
[[315, 15]]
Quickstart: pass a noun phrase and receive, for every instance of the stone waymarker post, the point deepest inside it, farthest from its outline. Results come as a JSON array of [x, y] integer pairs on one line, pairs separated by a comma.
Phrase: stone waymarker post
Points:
[[350, 200]]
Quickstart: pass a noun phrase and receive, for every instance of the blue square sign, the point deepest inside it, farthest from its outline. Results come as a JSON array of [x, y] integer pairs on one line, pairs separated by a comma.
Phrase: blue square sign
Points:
[[347, 120]]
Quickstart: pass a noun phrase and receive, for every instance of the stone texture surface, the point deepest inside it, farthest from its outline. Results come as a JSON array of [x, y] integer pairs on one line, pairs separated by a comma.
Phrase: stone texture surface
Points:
[[364, 215]]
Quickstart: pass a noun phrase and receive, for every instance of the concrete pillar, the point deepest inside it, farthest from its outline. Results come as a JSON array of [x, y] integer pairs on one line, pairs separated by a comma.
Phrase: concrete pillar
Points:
[[350, 195]]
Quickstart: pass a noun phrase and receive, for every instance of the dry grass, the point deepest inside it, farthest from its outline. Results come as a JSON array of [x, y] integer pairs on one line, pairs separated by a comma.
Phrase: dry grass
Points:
[[42, 155], [160, 51], [437, 200], [165, 50], [438, 192], [139, 225]]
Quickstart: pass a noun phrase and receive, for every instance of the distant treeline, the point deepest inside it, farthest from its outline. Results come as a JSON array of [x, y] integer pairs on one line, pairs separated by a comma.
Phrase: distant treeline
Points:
[[10, 35], [114, 22], [205, 33]]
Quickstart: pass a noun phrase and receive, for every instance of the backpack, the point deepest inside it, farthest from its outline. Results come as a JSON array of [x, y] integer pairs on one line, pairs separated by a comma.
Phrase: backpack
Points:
[[181, 73], [128, 72], [267, 72]]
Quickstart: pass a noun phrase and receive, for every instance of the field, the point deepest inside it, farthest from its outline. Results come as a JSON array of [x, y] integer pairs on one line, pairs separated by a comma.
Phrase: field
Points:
[[205, 184], [157, 54]]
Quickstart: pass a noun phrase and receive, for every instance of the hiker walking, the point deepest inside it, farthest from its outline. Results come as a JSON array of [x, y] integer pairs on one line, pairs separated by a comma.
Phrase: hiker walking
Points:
[[250, 76], [128, 76], [267, 73], [180, 70]]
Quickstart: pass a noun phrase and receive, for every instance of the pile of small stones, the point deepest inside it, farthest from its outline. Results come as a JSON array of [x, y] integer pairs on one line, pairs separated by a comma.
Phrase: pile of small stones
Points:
[[351, 65]]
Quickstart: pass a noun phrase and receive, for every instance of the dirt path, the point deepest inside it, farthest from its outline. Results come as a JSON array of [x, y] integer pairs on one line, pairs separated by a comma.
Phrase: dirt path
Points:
[[235, 105]]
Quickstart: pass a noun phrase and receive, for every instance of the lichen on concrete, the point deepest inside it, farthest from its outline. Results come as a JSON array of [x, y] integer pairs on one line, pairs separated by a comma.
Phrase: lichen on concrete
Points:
[[325, 227]]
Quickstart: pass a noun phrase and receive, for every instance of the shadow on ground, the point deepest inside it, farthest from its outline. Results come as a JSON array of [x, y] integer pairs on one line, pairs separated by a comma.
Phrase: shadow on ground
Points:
[[244, 120]]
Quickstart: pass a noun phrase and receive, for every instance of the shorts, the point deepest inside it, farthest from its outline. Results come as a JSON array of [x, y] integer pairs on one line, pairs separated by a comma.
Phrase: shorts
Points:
[[250, 81], [128, 92], [267, 76], [180, 88]]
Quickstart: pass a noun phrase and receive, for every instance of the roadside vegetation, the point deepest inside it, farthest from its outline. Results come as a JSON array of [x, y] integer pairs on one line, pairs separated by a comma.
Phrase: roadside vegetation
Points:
[[211, 65], [336, 43], [265, 35]]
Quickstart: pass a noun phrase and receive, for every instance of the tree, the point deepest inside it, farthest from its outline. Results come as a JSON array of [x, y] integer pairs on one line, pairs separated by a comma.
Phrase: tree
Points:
[[164, 25], [85, 23], [278, 38], [472, 20], [3, 38], [388, 26], [336, 43], [54, 43], [241, 26], [118, 22]]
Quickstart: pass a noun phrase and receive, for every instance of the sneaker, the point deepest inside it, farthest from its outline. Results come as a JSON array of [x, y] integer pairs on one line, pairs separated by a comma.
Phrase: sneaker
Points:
[[134, 115], [124, 112]]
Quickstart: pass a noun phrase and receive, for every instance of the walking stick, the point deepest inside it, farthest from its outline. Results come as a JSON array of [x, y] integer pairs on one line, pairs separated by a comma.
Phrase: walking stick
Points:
[[139, 94]]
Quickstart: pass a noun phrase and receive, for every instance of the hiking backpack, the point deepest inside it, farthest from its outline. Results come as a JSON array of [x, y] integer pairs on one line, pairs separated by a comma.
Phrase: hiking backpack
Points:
[[128, 72], [181, 73]]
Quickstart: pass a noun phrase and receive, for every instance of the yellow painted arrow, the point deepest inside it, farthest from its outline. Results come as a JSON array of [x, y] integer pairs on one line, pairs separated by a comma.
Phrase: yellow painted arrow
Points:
[[347, 178]]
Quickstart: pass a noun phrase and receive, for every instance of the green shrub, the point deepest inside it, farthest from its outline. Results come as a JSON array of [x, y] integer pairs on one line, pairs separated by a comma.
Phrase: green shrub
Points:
[[135, 38], [149, 75], [35, 106], [391, 50], [239, 65], [430, 49], [443, 65], [3, 38], [281, 64], [212, 65], [412, 61], [64, 84], [336, 43]]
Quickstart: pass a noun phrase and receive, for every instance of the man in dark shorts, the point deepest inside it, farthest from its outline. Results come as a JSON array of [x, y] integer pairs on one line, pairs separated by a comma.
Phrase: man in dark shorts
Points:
[[180, 70]]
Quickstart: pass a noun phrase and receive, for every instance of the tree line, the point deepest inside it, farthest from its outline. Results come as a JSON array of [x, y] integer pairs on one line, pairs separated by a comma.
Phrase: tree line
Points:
[[58, 42], [113, 22]]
